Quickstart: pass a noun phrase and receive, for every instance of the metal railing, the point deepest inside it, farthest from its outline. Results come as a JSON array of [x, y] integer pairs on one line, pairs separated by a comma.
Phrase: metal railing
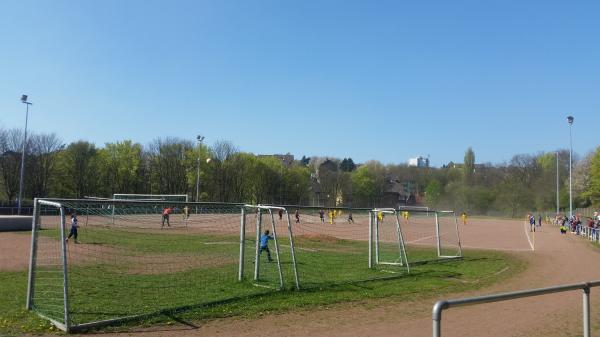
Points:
[[447, 304]]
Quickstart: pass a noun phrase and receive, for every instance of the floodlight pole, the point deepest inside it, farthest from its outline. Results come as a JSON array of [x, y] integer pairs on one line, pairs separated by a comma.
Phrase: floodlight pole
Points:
[[199, 139], [27, 104], [570, 120], [557, 188]]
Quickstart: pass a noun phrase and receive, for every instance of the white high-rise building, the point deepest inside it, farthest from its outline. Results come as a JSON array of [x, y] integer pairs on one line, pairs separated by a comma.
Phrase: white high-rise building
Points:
[[419, 161]]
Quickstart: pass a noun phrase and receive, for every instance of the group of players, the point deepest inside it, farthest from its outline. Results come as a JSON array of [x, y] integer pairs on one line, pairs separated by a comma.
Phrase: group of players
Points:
[[332, 215]]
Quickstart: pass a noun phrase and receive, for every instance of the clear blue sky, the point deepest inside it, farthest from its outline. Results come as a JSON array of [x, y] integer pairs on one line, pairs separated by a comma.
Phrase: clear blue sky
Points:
[[384, 80]]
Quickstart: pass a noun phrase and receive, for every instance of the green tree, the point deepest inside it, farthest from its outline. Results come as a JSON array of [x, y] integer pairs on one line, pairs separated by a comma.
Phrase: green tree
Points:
[[433, 193], [78, 170], [363, 186], [167, 164], [469, 166], [120, 165], [347, 165], [593, 188]]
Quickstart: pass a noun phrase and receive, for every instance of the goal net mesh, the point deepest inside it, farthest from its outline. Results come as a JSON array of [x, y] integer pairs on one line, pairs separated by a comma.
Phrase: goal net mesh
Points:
[[129, 264], [129, 259]]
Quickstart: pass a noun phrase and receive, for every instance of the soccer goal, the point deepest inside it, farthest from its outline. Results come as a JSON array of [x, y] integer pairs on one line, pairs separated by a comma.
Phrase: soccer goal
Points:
[[127, 267], [386, 236], [431, 235], [174, 208], [271, 269]]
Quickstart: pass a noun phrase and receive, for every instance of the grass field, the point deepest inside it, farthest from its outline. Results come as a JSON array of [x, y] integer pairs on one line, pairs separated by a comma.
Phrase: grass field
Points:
[[136, 272]]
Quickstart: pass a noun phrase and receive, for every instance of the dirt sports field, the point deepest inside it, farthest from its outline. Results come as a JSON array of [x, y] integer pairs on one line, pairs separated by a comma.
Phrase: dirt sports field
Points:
[[557, 259]]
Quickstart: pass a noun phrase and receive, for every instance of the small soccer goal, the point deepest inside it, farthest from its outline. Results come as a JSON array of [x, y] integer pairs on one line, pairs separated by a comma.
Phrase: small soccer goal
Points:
[[430, 235], [385, 235], [270, 268], [170, 204]]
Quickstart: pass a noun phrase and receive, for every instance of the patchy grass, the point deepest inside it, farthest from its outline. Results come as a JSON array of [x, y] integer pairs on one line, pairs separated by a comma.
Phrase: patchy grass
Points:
[[330, 273]]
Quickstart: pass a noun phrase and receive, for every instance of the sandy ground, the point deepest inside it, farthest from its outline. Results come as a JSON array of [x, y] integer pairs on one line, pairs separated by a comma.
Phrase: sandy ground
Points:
[[557, 259]]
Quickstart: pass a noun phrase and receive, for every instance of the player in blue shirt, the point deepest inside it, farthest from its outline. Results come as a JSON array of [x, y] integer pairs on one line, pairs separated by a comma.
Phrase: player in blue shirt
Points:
[[264, 244], [532, 223], [74, 225]]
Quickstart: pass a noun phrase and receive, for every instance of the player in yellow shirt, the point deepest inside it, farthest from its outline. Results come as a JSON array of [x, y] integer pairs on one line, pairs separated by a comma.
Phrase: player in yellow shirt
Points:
[[463, 216]]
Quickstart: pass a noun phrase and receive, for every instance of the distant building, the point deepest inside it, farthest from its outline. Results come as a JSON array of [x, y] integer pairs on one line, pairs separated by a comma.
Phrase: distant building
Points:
[[418, 161], [286, 159]]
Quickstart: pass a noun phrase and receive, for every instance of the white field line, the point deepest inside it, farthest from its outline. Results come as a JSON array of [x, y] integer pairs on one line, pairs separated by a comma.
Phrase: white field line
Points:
[[299, 248], [421, 239], [501, 249], [527, 235]]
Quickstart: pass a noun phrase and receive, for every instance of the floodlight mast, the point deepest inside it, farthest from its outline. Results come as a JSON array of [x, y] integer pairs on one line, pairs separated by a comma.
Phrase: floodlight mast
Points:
[[570, 119], [199, 138], [27, 104], [557, 187]]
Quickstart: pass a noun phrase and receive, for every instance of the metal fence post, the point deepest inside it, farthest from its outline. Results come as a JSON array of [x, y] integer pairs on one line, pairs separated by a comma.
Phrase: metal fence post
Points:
[[437, 317], [586, 311]]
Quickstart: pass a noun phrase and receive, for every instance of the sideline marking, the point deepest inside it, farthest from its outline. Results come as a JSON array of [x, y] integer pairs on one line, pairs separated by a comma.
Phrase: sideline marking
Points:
[[527, 235], [502, 249]]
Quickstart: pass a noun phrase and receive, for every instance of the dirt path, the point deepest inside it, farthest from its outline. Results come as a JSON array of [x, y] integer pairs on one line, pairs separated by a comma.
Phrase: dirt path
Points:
[[558, 259]]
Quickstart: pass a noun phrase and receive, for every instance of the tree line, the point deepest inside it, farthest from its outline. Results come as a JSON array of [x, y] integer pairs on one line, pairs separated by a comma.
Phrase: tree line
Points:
[[170, 166]]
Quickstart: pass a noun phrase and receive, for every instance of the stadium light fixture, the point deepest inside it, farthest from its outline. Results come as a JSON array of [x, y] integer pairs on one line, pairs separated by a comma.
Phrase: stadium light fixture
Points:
[[199, 138], [570, 119], [27, 104]]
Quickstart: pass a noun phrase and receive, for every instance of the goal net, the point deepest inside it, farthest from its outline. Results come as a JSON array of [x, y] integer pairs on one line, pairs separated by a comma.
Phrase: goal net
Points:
[[127, 266], [430, 235], [387, 239]]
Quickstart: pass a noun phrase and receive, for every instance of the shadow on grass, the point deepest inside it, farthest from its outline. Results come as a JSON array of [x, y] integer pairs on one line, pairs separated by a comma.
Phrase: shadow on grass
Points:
[[174, 314]]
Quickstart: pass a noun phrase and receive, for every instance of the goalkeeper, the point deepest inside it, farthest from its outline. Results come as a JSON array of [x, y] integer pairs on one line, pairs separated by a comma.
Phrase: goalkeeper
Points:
[[264, 244]]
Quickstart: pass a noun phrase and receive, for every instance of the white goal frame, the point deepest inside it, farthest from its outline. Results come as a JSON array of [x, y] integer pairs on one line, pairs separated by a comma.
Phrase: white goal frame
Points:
[[374, 239], [438, 240], [259, 225]]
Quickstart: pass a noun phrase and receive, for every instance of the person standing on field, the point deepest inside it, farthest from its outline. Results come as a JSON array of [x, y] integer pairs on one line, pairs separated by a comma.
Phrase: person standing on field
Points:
[[380, 217], [322, 215], [186, 212], [264, 245], [74, 225], [297, 215], [280, 214], [350, 219], [463, 216], [532, 223], [165, 217]]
